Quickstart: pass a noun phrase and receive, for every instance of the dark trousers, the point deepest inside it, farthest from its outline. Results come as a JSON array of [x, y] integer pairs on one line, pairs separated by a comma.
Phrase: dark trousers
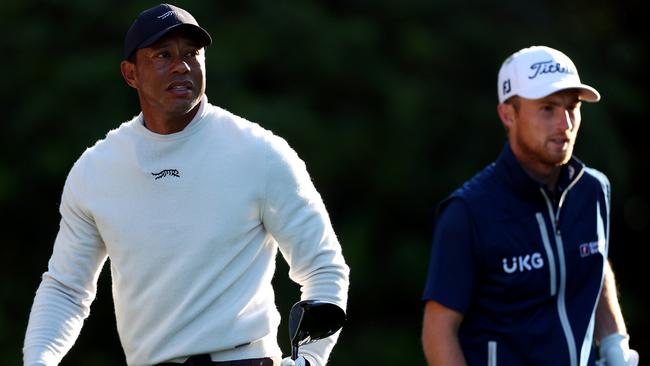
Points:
[[205, 360]]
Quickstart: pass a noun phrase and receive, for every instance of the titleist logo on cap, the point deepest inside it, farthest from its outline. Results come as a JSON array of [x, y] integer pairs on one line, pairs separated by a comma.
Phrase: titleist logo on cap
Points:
[[549, 67]]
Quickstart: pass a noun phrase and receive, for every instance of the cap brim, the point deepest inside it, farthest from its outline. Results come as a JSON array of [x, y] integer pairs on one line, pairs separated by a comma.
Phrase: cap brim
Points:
[[587, 93]]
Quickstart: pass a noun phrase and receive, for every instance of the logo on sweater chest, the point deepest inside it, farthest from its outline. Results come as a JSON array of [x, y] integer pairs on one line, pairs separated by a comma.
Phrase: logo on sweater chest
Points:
[[166, 173]]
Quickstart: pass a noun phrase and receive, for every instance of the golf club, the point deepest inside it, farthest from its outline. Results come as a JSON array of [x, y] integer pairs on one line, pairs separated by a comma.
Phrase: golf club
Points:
[[310, 320]]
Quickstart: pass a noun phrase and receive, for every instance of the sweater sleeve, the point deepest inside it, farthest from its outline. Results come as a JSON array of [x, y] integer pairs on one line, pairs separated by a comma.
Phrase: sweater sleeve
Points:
[[67, 289], [294, 213]]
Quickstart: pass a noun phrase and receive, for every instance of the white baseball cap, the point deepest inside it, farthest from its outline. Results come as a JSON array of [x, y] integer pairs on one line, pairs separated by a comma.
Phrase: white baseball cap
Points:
[[538, 71]]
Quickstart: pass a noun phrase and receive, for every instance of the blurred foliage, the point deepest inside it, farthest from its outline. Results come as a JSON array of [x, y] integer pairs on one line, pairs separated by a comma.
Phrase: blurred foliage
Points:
[[391, 105]]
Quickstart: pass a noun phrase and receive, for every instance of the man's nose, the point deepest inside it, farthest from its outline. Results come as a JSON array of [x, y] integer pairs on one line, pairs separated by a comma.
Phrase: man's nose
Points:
[[180, 66], [566, 119]]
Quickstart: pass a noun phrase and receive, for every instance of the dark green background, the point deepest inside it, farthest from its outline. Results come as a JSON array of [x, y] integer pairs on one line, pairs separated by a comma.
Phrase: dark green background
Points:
[[390, 103]]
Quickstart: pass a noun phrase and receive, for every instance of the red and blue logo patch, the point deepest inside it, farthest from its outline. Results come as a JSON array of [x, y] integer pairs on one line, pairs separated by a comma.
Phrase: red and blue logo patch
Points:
[[592, 247]]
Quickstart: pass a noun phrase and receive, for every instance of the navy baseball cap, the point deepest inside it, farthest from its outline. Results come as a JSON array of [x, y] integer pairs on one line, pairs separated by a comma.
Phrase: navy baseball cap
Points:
[[152, 24]]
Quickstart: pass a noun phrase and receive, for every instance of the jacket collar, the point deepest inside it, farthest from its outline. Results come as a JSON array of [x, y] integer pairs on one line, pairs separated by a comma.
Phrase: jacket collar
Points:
[[513, 175]]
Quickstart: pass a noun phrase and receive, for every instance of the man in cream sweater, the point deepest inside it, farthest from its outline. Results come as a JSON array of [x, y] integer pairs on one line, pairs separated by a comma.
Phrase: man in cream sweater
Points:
[[191, 204]]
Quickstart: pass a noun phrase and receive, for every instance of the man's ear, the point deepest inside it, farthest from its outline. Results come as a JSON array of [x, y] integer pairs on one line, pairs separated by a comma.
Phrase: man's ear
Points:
[[506, 113], [128, 73]]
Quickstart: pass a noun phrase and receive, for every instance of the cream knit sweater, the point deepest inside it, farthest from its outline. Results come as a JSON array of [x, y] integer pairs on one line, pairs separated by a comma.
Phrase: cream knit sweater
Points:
[[191, 223]]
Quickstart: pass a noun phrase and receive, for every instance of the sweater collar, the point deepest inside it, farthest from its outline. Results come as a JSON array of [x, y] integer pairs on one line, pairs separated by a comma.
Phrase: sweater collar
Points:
[[191, 127]]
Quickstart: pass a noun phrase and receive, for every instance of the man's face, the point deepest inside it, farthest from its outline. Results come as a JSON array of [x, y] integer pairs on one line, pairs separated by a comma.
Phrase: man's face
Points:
[[544, 130], [170, 75]]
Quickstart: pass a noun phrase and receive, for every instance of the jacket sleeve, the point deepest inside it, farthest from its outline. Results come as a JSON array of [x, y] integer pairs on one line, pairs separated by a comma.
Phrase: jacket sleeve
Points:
[[451, 275], [67, 289], [294, 213]]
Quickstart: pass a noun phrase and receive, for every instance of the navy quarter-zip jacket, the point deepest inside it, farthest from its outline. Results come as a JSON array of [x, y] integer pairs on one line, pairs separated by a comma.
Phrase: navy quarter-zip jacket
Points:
[[524, 266]]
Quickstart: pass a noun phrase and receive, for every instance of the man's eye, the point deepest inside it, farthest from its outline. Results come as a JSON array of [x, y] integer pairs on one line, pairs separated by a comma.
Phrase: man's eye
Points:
[[163, 54]]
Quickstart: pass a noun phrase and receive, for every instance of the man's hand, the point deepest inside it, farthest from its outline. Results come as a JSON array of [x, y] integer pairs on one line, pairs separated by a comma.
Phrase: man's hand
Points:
[[298, 362], [615, 351]]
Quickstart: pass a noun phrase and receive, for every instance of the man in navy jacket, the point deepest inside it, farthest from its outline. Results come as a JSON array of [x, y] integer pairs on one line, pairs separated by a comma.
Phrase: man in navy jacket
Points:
[[519, 272]]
